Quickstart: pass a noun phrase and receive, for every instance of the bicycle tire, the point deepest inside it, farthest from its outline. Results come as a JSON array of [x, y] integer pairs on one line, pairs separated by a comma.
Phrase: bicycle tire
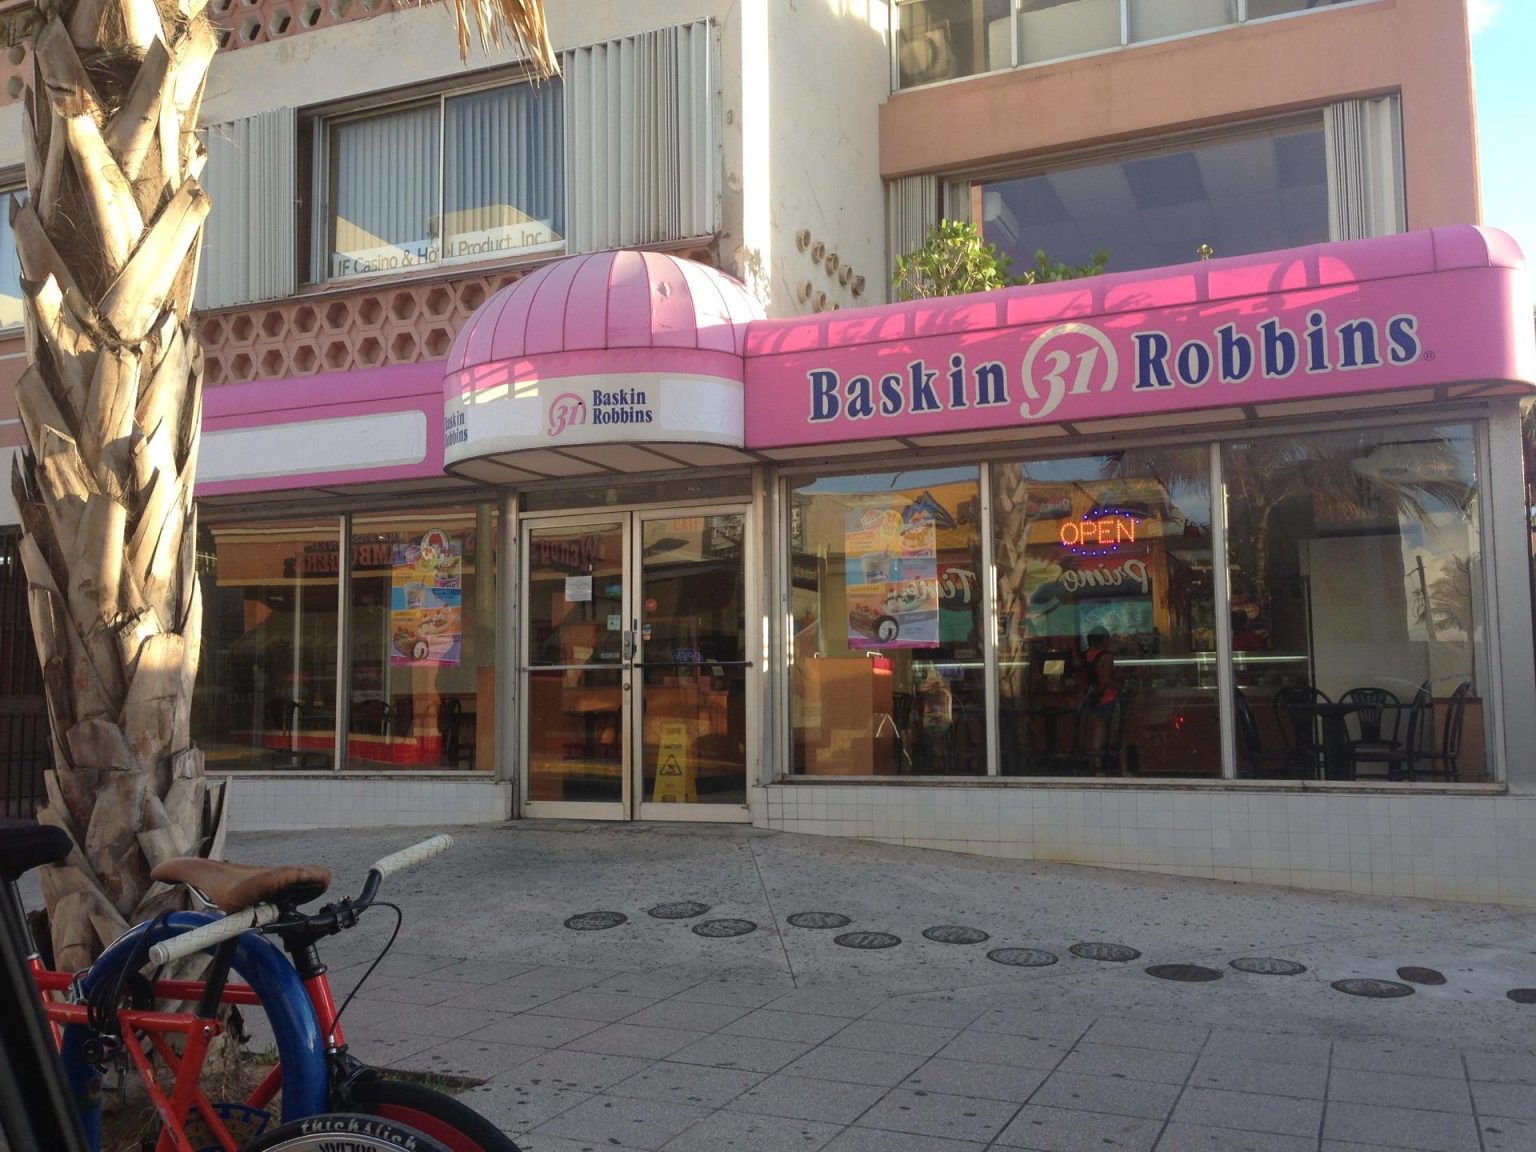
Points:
[[344, 1132], [440, 1116]]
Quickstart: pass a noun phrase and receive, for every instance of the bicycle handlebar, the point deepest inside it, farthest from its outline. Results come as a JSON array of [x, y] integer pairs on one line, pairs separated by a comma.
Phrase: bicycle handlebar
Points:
[[260, 915], [214, 932]]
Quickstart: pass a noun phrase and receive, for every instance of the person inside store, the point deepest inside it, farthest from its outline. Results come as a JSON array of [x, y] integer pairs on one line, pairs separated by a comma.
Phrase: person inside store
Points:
[[1096, 672], [1244, 638]]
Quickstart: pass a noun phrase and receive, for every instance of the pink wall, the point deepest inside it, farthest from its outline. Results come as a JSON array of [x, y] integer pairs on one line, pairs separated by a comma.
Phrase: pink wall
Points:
[[1419, 47]]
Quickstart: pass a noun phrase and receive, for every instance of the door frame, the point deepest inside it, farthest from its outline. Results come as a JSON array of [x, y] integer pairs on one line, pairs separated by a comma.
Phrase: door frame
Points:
[[630, 806]]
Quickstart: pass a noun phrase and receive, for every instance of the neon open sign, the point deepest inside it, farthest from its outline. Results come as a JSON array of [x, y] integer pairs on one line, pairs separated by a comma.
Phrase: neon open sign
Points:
[[1099, 533]]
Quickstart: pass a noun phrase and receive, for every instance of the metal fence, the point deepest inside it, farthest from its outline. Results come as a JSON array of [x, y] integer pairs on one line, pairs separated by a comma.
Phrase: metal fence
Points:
[[25, 751]]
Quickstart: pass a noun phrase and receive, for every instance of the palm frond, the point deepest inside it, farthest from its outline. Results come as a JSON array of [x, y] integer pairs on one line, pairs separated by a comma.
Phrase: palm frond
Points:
[[518, 22]]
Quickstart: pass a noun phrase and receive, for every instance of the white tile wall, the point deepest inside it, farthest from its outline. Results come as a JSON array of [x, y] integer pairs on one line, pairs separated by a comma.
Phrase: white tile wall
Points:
[[276, 803], [1474, 847]]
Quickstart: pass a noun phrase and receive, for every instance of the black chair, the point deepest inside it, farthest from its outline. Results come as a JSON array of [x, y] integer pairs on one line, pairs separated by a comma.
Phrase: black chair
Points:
[[1398, 758], [1372, 707], [1450, 741], [450, 726], [1098, 740], [370, 717], [286, 717], [1296, 713], [1261, 763]]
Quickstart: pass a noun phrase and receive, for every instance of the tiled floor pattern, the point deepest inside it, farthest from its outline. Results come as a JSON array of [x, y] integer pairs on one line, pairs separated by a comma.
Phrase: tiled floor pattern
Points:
[[578, 1060]]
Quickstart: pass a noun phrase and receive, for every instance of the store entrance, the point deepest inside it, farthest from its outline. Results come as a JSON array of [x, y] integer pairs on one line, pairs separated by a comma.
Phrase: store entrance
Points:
[[634, 669]]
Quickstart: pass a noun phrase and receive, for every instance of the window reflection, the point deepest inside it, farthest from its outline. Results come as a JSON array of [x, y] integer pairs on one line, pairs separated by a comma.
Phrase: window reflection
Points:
[[1355, 569], [887, 673], [1105, 615]]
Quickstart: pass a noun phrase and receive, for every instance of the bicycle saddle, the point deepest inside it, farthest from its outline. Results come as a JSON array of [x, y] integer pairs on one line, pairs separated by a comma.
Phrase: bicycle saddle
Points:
[[231, 887], [25, 845]]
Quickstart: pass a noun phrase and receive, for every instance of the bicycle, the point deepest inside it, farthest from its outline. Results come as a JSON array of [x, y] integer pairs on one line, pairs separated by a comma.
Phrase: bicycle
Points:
[[329, 1099]]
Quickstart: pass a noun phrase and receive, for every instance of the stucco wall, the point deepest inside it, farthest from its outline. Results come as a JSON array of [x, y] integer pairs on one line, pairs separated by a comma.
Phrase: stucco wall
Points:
[[1232, 75]]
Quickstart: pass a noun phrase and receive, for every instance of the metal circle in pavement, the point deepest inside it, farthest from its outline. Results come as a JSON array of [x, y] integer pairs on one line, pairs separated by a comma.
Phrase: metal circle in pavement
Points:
[[867, 940], [1022, 957], [678, 910], [1421, 975], [1373, 989], [1097, 950], [720, 929], [1268, 966], [955, 934], [1184, 973], [595, 921], [1522, 995], [819, 920]]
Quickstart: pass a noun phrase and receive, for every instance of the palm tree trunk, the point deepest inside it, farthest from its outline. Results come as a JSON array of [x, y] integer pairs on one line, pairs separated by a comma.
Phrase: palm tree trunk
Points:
[[111, 406]]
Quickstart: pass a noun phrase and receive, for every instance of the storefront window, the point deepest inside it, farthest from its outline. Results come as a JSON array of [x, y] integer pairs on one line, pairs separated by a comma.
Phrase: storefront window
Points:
[[887, 648], [422, 629], [1106, 627], [1357, 608], [266, 688]]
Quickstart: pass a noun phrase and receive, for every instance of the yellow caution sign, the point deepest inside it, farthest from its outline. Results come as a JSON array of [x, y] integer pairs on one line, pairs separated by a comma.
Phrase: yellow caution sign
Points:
[[674, 766]]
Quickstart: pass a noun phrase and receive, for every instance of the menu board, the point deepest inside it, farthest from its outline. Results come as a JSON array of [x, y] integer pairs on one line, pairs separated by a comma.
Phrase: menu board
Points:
[[891, 576], [426, 600]]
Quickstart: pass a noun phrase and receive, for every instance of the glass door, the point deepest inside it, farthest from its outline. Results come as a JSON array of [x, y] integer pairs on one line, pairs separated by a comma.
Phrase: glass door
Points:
[[635, 669]]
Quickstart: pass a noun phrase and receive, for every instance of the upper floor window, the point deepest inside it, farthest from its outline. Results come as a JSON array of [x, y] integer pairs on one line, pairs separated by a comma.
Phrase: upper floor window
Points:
[[946, 39], [455, 178], [10, 263], [1257, 192]]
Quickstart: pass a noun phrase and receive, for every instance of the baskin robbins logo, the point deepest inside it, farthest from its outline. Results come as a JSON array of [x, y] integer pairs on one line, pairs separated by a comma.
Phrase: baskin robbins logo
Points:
[[609, 406], [565, 411], [1075, 359]]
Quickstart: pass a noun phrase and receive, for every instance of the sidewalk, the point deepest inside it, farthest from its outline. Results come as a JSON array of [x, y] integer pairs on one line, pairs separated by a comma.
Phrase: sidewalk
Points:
[[647, 1036]]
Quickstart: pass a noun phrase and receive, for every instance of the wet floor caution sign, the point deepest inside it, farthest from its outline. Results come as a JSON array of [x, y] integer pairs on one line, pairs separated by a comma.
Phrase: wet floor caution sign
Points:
[[674, 766]]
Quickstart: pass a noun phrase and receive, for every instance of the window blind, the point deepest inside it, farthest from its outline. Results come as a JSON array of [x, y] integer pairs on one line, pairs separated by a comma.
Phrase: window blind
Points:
[[1365, 168], [248, 238]]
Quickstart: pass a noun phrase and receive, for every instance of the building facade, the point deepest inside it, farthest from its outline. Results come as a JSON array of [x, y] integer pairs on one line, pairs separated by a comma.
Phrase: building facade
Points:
[[562, 457]]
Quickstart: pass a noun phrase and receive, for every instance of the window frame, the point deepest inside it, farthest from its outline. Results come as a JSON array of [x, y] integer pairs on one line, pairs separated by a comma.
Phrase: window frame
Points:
[[13, 182]]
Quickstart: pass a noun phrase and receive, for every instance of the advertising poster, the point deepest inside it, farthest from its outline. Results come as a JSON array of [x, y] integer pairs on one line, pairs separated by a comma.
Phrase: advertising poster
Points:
[[892, 578], [426, 600]]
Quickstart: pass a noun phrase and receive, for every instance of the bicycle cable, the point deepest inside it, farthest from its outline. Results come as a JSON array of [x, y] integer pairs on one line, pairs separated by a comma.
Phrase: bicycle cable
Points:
[[101, 1002], [383, 952]]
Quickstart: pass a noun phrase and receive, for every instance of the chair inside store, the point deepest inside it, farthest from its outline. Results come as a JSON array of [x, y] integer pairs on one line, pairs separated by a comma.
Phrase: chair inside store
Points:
[[1442, 762], [1258, 762], [370, 717], [451, 727], [1296, 716], [285, 728], [1098, 742], [1414, 740], [1376, 718]]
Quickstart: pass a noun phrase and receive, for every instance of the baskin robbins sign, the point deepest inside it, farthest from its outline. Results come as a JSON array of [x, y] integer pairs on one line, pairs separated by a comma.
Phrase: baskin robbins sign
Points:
[[1143, 344]]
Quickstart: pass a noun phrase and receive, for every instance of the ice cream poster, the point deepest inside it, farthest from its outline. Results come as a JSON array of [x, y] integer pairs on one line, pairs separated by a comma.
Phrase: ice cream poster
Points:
[[891, 576], [426, 600]]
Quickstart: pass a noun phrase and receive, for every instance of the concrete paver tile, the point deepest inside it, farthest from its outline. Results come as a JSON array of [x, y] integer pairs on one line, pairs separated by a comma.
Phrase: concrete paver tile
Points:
[[1250, 1111], [433, 1019], [514, 1108], [883, 1036], [627, 1122], [1263, 1076], [653, 985], [801, 1098], [696, 1084], [632, 1040], [585, 1005], [1398, 1056], [1274, 1048], [1513, 1100], [1501, 1135], [399, 963], [1131, 1063], [462, 1057], [540, 1031], [1400, 1128], [1180, 1137], [1433, 1093], [748, 1132], [1352, 1146], [1034, 1025], [1504, 1067], [1067, 1130], [724, 991], [508, 996], [934, 1013], [414, 990], [745, 1052], [1006, 1048], [565, 977], [969, 1078], [854, 1065], [940, 1114], [772, 1024], [828, 1000], [1143, 1034], [378, 1046], [876, 1140], [581, 1071], [1107, 1094], [534, 1142], [688, 1014], [482, 970]]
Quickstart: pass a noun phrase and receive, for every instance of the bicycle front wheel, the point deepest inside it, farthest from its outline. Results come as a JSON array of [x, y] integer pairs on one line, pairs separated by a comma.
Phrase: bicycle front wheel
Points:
[[343, 1130], [455, 1125]]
